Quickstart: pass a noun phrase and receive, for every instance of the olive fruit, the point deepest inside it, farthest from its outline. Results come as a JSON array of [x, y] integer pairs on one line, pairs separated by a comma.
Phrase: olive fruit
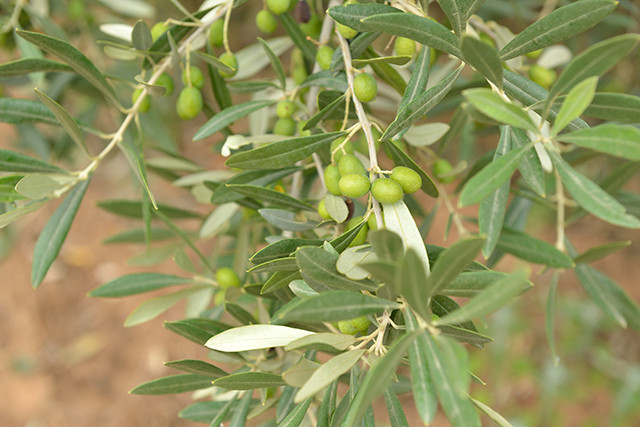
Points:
[[441, 169], [227, 278], [158, 29], [145, 103], [386, 190], [353, 326], [230, 60], [362, 145], [216, 33], [278, 6], [534, 55], [347, 148], [365, 87], [189, 103], [372, 222], [543, 76], [324, 56], [284, 127], [332, 180], [322, 210], [350, 164], [166, 82], [266, 22], [354, 185], [408, 179], [285, 108], [195, 75], [312, 28], [347, 32], [361, 236], [404, 46]]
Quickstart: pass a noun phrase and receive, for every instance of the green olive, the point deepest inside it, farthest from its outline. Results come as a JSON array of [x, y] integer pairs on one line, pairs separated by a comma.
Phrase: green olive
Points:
[[227, 278], [362, 145], [145, 104], [354, 185], [350, 164], [312, 28], [196, 76], [386, 191], [543, 76], [322, 210], [278, 6], [347, 32], [365, 87], [284, 127], [347, 148], [404, 46], [166, 82], [353, 326], [332, 180], [361, 236], [285, 108], [230, 60], [324, 56], [216, 33], [409, 180], [266, 22], [442, 169], [158, 29], [189, 103]]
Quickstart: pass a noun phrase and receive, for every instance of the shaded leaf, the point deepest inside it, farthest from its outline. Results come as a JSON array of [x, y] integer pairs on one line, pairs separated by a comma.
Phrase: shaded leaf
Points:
[[491, 104], [483, 57], [249, 381], [532, 249], [616, 140], [229, 116], [197, 367], [136, 283], [173, 384]]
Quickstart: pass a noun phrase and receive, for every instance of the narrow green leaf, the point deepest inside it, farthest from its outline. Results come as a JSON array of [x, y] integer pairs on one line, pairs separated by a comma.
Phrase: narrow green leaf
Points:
[[281, 248], [559, 25], [295, 417], [386, 72], [598, 252], [493, 208], [449, 375], [615, 106], [299, 38], [377, 379], [10, 161], [391, 60], [279, 280], [154, 307], [318, 269], [280, 264], [491, 299], [141, 36], [333, 306], [255, 337], [398, 219], [275, 63], [421, 105], [283, 153], [328, 405], [386, 244], [229, 116], [491, 177], [55, 232], [401, 158], [451, 263], [483, 57], [492, 414], [173, 384], [530, 166], [491, 104], [412, 281], [338, 341], [32, 65], [12, 215], [133, 209], [616, 140], [424, 394], [591, 197], [196, 330], [270, 196], [197, 367], [609, 296], [419, 77], [66, 120], [394, 409], [240, 411], [213, 61], [326, 111], [74, 58], [203, 412], [249, 381], [457, 13], [418, 28], [531, 249], [223, 413], [593, 61], [352, 15], [137, 283], [470, 283], [576, 102], [328, 372]]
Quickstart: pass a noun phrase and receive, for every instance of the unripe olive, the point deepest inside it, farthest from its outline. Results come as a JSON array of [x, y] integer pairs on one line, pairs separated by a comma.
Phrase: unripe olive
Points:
[[166, 82], [312, 28], [372, 222], [145, 104], [347, 148], [441, 169], [409, 180], [350, 164], [347, 32], [285, 108], [353, 326], [216, 33], [189, 103], [365, 87], [361, 236], [278, 6], [354, 185], [77, 10], [543, 76], [404, 46], [158, 29], [266, 22], [534, 55], [324, 56], [332, 180], [219, 297], [487, 39], [284, 127], [322, 210], [299, 74], [361, 143], [227, 278], [230, 60], [386, 191], [197, 78]]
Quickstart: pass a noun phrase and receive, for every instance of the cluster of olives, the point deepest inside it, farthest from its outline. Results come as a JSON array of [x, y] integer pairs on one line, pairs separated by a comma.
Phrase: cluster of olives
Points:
[[285, 125]]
